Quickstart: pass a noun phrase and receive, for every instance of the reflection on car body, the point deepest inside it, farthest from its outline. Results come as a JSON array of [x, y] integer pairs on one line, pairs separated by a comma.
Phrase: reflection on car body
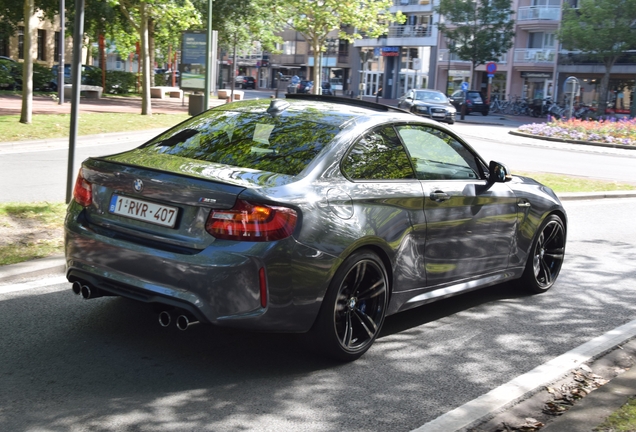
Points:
[[311, 214]]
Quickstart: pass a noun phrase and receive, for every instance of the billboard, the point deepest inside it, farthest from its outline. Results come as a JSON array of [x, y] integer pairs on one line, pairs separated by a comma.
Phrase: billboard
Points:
[[193, 56]]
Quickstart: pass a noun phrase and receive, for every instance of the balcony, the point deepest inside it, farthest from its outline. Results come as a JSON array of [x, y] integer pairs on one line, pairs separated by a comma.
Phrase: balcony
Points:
[[539, 56], [404, 31], [536, 13], [402, 35], [442, 57], [407, 6]]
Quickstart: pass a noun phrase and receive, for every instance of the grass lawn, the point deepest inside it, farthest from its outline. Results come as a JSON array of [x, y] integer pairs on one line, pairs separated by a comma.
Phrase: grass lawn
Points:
[[34, 230], [623, 420], [561, 183], [46, 126]]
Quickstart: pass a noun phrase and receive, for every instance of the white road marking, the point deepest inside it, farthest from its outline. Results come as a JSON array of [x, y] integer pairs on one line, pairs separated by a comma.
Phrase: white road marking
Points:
[[57, 280]]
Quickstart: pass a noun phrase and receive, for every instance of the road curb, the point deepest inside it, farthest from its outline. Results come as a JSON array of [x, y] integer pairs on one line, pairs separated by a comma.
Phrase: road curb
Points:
[[37, 267], [507, 395], [569, 141]]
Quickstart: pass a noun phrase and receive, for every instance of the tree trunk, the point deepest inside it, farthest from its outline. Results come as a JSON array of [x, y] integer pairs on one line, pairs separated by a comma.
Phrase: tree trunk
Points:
[[602, 97], [146, 108], [317, 68], [27, 71], [88, 60], [151, 50]]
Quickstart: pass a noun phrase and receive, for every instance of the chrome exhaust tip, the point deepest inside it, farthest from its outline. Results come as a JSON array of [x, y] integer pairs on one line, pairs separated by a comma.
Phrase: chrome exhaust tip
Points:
[[88, 292], [183, 322], [77, 288], [165, 318]]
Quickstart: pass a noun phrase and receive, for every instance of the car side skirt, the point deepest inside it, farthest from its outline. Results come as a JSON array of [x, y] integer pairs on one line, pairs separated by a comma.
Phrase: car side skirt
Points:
[[401, 301]]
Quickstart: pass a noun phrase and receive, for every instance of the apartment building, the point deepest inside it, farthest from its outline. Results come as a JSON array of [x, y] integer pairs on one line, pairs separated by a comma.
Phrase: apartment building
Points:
[[46, 37], [536, 66], [403, 59]]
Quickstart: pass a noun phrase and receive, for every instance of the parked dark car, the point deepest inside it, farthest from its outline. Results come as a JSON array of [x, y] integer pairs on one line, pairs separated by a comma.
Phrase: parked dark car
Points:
[[10, 74], [326, 89], [308, 214], [428, 103], [475, 101], [247, 82], [90, 76], [305, 86]]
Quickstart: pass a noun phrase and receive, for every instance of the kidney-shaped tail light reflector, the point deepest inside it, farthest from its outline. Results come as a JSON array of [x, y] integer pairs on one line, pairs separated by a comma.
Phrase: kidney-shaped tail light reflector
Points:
[[248, 221]]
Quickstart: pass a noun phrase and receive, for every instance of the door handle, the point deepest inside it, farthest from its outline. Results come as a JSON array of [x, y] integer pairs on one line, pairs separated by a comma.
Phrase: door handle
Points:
[[523, 203], [439, 196]]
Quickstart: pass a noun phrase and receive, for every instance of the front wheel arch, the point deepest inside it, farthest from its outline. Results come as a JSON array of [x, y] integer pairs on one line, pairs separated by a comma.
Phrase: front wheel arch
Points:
[[546, 255]]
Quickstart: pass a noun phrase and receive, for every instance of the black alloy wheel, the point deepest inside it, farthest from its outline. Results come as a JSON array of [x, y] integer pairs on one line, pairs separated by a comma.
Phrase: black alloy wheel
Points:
[[354, 308], [548, 250]]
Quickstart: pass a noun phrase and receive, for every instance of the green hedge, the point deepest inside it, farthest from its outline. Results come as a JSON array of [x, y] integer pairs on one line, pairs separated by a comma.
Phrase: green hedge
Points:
[[118, 82]]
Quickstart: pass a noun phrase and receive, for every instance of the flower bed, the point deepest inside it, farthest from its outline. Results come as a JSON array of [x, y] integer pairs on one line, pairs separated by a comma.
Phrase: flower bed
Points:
[[609, 131]]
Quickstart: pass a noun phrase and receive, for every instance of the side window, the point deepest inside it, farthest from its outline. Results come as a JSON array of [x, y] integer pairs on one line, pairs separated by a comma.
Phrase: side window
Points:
[[437, 155], [378, 155]]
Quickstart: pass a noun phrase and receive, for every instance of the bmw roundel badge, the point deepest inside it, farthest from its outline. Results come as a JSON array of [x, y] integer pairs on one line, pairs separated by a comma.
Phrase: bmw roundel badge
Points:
[[138, 185]]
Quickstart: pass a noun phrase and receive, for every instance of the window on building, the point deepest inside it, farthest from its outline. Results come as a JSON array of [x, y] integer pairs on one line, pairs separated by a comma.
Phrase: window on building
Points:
[[546, 3], [56, 47], [21, 42], [4, 47], [541, 40], [289, 47], [42, 45]]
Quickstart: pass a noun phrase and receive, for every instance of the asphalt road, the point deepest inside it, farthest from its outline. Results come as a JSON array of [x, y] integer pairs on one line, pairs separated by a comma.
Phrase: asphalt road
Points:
[[106, 364], [530, 154]]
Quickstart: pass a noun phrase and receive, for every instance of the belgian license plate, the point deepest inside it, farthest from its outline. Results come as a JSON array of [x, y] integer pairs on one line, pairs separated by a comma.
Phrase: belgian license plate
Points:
[[439, 114], [143, 210]]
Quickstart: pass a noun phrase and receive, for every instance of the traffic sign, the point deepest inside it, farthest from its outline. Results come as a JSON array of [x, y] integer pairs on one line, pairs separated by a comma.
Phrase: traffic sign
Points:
[[464, 86], [491, 67]]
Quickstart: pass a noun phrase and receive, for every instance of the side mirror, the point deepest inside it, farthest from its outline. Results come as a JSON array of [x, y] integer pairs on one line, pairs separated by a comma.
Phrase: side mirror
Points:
[[499, 172]]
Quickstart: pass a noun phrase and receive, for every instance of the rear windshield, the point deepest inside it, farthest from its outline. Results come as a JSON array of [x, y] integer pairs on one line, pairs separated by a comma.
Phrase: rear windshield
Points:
[[285, 144], [475, 96]]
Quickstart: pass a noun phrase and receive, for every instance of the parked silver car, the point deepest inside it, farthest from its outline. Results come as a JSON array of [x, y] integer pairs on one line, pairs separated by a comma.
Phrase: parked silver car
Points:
[[312, 214], [428, 103]]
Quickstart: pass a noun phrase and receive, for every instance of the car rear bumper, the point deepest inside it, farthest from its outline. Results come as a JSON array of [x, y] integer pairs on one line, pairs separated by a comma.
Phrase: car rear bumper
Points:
[[219, 285]]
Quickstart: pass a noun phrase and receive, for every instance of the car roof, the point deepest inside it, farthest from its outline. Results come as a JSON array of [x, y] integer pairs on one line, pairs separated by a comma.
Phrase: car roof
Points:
[[336, 111]]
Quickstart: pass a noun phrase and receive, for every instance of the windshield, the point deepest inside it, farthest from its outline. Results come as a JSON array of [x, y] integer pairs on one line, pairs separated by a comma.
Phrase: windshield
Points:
[[430, 96], [284, 144]]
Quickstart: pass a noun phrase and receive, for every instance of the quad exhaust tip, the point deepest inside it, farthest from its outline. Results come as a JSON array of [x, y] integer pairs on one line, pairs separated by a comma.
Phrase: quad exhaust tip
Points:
[[184, 322], [86, 291], [165, 318]]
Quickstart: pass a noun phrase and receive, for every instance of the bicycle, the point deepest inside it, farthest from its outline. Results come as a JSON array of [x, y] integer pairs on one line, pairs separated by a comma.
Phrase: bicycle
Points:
[[497, 106]]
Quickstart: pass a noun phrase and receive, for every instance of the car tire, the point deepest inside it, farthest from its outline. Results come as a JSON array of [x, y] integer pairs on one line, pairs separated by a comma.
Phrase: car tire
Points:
[[353, 310], [484, 113], [452, 122], [546, 256]]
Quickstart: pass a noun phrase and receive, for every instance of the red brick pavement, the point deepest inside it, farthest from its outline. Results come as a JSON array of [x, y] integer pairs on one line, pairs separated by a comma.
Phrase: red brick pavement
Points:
[[12, 105]]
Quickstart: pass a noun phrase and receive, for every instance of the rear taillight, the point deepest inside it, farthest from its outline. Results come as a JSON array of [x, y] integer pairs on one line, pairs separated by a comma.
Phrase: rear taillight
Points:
[[252, 222], [83, 191]]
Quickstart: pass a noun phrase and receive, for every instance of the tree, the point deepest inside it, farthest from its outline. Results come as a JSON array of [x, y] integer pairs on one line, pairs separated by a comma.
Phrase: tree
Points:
[[315, 20], [10, 18], [143, 14], [603, 29], [480, 30]]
